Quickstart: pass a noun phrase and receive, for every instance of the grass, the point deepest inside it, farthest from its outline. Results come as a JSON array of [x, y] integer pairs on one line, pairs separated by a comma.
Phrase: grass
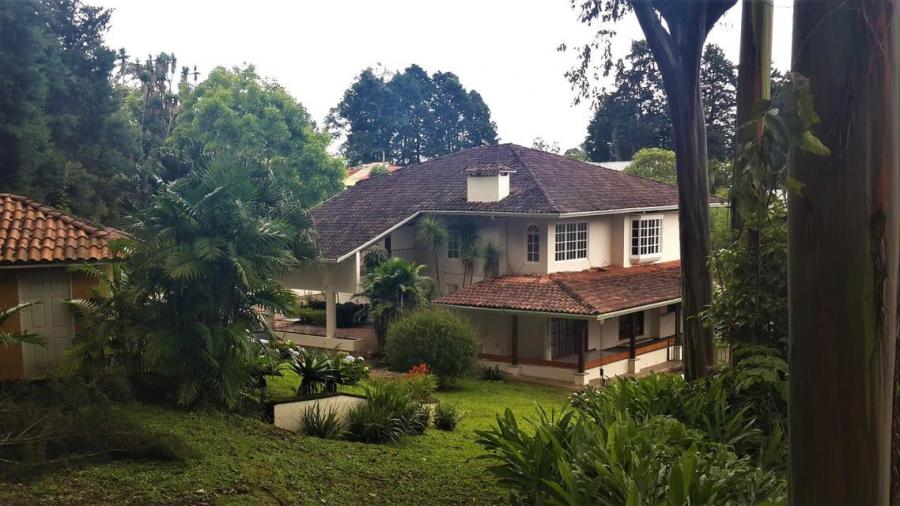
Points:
[[241, 460]]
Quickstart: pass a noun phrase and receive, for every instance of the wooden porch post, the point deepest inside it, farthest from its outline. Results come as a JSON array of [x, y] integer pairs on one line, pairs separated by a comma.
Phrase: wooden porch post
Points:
[[632, 337], [514, 345], [582, 343]]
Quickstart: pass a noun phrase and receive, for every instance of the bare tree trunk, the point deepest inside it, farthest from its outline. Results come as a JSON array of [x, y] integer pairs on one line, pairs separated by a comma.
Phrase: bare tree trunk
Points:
[[754, 74], [843, 257]]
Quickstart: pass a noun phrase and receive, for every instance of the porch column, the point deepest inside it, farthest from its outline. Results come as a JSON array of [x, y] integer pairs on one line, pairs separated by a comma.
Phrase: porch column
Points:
[[632, 337], [514, 344], [330, 313], [581, 344]]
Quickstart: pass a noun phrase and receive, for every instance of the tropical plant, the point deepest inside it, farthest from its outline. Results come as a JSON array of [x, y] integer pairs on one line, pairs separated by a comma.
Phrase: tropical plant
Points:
[[393, 288], [322, 373], [374, 257], [491, 373], [111, 337], [325, 424], [208, 252], [388, 414], [447, 416], [434, 234], [491, 258], [8, 338], [420, 383], [444, 341]]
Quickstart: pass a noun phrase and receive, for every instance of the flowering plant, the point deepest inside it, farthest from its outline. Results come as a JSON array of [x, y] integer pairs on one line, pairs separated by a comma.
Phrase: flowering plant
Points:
[[419, 370]]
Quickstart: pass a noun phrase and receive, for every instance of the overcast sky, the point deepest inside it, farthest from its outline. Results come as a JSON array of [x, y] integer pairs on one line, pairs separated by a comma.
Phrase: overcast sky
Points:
[[505, 49]]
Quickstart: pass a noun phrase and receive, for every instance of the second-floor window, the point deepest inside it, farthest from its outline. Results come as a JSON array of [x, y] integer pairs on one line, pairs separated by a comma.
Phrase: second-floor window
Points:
[[571, 240], [453, 244], [533, 244], [646, 234]]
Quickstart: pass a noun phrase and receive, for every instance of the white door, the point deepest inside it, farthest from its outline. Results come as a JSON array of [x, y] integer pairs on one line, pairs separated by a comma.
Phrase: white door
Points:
[[50, 319]]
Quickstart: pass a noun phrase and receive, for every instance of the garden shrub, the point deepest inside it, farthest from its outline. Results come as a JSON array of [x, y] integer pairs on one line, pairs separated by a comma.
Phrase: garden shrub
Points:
[[310, 316], [322, 373], [488, 373], [322, 424], [444, 341], [656, 440], [568, 458], [347, 314], [420, 383], [447, 416], [388, 414]]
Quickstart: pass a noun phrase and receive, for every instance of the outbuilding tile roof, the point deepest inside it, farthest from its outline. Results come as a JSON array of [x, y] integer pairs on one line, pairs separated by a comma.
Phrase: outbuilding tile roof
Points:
[[543, 183], [31, 233], [591, 292]]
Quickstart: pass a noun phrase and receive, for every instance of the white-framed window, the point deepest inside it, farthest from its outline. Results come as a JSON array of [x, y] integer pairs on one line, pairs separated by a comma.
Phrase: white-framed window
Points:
[[533, 243], [453, 244], [571, 240], [646, 236]]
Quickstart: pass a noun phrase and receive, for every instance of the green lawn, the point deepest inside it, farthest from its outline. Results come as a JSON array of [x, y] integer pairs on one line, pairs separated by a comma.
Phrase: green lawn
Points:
[[240, 460]]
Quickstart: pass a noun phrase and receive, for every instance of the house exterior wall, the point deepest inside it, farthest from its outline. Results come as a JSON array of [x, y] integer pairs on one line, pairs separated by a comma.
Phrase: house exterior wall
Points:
[[340, 277]]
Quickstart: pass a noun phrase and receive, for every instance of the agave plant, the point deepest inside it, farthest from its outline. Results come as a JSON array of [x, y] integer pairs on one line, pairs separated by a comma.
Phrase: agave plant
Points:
[[8, 338]]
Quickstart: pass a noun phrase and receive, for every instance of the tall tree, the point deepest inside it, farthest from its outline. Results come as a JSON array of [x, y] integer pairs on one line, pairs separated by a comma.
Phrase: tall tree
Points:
[[63, 137], [410, 116], [843, 255], [754, 85], [237, 112], [676, 32], [635, 115]]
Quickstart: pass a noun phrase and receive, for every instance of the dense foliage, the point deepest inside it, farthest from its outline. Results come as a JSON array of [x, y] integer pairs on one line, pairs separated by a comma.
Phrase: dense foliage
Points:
[[444, 341], [635, 114], [235, 111], [63, 135], [394, 288], [388, 414], [656, 440], [410, 116]]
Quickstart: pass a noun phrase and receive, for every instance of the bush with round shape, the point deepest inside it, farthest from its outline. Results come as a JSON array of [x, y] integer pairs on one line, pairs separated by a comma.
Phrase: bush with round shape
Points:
[[444, 341]]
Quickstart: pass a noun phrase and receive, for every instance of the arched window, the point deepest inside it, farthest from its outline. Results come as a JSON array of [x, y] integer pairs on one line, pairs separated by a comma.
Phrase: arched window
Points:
[[533, 243]]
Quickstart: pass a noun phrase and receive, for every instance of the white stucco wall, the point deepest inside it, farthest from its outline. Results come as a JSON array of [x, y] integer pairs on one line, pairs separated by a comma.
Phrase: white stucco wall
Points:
[[339, 277]]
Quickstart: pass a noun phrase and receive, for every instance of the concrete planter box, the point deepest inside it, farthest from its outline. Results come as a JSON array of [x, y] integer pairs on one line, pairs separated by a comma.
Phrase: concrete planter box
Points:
[[289, 415]]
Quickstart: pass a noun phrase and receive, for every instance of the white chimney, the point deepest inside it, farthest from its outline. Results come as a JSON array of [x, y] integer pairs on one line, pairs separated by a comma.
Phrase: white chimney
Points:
[[487, 182]]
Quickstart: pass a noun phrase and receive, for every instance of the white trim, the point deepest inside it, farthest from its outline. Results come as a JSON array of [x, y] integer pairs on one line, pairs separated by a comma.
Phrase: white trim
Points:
[[565, 225], [528, 227]]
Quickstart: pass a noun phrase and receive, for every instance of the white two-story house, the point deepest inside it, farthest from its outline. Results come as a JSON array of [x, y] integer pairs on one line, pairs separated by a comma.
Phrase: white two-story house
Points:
[[589, 282]]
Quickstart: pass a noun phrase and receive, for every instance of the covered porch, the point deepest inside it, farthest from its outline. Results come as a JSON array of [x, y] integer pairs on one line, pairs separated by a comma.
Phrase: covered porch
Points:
[[577, 327]]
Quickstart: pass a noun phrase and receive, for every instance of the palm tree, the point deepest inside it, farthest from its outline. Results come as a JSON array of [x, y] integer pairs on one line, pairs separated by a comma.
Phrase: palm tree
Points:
[[394, 287], [209, 250], [9, 338], [434, 234], [470, 248], [491, 257]]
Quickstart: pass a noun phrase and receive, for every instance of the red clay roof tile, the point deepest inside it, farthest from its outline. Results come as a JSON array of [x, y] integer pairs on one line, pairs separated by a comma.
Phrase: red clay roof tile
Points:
[[33, 233], [591, 292]]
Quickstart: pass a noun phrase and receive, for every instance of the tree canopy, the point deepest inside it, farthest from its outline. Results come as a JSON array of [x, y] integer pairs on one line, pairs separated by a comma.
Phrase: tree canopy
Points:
[[236, 111], [635, 114], [410, 116], [63, 136]]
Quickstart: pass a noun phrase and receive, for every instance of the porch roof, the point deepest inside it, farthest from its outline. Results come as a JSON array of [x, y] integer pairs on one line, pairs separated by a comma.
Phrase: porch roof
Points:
[[593, 292]]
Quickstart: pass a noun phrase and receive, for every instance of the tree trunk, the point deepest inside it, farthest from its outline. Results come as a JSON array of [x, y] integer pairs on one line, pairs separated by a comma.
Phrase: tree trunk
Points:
[[843, 257], [689, 138], [754, 71]]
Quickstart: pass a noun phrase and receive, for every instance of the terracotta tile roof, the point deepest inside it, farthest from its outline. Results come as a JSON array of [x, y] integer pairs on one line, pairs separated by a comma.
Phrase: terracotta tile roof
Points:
[[542, 183], [33, 233], [590, 292]]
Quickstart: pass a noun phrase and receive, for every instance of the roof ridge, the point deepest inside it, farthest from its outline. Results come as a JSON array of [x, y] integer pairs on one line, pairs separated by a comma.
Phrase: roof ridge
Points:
[[575, 296], [81, 223], [534, 177]]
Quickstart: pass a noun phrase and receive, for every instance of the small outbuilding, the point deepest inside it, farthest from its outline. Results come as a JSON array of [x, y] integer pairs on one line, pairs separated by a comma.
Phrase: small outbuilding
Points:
[[38, 245]]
